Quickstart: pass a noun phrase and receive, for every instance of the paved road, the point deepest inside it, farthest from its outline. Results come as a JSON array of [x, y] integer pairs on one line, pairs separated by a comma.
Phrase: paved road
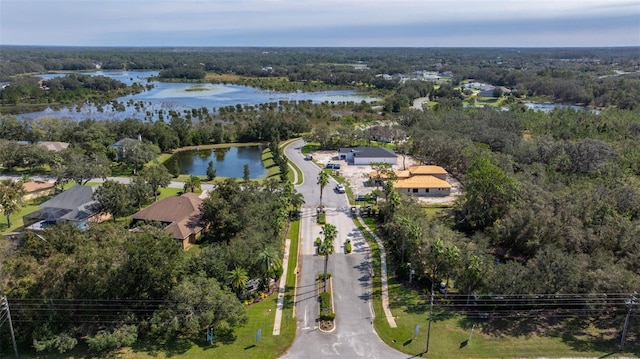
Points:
[[354, 336]]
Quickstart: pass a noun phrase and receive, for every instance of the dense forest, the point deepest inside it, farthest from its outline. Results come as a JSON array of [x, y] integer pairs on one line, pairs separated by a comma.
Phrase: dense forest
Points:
[[592, 76], [108, 287], [550, 203]]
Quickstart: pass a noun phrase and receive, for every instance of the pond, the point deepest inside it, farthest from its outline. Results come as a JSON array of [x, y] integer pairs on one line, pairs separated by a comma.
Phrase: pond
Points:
[[165, 96], [228, 161], [548, 107]]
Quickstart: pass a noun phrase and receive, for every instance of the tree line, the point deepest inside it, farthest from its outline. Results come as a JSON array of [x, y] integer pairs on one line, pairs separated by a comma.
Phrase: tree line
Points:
[[109, 287]]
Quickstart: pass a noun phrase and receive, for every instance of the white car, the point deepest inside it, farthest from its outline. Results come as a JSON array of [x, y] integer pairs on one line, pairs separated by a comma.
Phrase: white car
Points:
[[340, 188]]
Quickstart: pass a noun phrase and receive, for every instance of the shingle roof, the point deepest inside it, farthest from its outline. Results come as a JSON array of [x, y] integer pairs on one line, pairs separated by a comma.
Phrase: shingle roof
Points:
[[421, 182], [181, 212], [77, 202], [373, 152]]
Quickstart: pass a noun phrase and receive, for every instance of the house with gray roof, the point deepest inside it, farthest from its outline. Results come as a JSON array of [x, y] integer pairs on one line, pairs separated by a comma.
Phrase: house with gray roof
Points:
[[75, 205], [367, 155]]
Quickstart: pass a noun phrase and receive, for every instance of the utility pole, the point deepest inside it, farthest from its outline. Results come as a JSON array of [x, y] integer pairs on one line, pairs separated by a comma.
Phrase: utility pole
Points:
[[630, 304], [430, 316], [4, 306]]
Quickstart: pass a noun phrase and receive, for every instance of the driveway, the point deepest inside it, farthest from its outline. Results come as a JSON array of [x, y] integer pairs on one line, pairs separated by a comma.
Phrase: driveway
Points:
[[354, 336]]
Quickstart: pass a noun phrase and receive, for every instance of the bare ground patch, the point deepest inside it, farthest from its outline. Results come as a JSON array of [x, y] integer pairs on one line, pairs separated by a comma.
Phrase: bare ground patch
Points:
[[357, 176]]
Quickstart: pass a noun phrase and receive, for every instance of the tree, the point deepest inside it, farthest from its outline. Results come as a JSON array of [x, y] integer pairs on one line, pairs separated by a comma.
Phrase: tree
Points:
[[237, 279], [297, 200], [192, 184], [383, 171], [136, 153], [80, 167], [489, 192], [246, 174], [451, 260], [327, 248], [156, 176], [198, 303], [270, 265], [11, 193], [113, 198], [139, 191], [211, 172], [323, 181]]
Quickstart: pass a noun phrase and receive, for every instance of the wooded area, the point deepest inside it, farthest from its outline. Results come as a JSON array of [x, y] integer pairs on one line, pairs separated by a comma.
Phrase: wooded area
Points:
[[550, 204]]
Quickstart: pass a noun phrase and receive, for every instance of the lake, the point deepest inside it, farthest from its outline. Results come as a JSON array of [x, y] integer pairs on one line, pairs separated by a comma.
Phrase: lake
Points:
[[228, 162], [165, 96]]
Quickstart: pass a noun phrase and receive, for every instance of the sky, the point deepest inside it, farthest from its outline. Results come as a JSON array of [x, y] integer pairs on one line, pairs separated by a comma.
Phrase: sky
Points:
[[325, 23]]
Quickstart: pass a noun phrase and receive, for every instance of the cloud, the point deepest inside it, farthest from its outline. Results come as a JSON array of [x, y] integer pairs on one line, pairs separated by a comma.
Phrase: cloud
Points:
[[319, 22]]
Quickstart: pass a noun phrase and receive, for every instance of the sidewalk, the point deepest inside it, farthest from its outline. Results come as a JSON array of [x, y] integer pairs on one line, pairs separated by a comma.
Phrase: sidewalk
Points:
[[281, 289], [383, 276]]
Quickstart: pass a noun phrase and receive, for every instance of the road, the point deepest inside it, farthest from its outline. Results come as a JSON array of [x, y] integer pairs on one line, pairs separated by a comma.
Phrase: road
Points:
[[354, 336]]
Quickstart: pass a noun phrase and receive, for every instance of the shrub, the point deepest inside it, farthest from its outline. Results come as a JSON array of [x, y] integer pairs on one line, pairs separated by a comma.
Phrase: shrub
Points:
[[328, 316], [118, 338], [321, 276], [322, 218]]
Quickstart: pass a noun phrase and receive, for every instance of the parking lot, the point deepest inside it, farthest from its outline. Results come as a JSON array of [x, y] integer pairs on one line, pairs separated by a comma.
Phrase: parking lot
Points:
[[357, 176]]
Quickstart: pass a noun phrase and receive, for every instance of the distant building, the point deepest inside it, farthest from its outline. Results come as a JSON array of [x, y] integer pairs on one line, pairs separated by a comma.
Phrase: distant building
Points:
[[36, 189], [367, 155], [54, 146]]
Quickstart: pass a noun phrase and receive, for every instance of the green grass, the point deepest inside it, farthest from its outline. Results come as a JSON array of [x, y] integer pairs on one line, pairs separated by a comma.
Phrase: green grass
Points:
[[267, 161], [450, 330]]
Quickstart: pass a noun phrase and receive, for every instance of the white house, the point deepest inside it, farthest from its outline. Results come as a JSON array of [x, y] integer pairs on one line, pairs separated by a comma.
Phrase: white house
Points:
[[367, 155]]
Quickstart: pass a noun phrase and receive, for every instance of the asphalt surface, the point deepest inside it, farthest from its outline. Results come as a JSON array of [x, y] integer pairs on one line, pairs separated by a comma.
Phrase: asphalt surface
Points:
[[354, 335]]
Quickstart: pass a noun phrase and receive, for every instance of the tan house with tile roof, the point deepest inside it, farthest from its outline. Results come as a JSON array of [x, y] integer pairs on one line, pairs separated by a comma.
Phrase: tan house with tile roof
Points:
[[36, 189], [423, 185], [180, 214]]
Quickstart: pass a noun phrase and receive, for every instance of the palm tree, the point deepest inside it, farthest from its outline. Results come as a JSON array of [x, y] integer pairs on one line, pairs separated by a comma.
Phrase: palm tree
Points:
[[297, 200], [237, 279], [327, 248], [192, 184], [323, 181], [11, 194], [270, 264]]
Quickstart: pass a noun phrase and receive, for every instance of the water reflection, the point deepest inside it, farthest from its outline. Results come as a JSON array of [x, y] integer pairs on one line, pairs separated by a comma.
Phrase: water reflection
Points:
[[228, 162], [162, 97]]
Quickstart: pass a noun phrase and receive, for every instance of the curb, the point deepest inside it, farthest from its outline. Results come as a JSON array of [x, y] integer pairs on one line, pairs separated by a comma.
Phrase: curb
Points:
[[333, 309]]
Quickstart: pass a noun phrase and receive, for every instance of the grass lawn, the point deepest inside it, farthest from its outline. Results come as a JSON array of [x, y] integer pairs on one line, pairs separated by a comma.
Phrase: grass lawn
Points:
[[267, 161], [450, 333], [450, 330]]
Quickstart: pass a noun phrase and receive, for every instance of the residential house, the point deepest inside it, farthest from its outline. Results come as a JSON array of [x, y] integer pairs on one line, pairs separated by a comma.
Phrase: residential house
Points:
[[54, 146], [36, 189], [181, 216], [367, 155], [123, 143], [75, 205]]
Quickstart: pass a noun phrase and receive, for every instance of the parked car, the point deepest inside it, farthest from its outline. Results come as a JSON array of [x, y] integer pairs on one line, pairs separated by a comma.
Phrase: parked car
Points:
[[308, 158], [340, 188]]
